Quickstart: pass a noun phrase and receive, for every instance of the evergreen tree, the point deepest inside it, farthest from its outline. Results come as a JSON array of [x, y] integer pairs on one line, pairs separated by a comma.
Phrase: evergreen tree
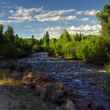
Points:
[[9, 35], [1, 33], [33, 40], [104, 17], [65, 36], [46, 40], [78, 37]]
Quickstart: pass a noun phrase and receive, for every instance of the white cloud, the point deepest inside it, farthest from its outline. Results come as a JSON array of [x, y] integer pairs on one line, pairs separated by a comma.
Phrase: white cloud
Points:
[[24, 13], [54, 31], [41, 15], [4, 21], [84, 19], [11, 11], [85, 29], [79, 12], [90, 12], [7, 22], [87, 12], [71, 14], [41, 18], [56, 15]]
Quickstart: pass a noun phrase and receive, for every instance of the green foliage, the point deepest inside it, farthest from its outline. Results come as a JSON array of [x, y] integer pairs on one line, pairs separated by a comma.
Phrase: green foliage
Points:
[[78, 37], [9, 35], [65, 37], [12, 46], [46, 41], [69, 50], [107, 67], [1, 29], [107, 87], [85, 49], [64, 46], [104, 17], [95, 50], [1, 33]]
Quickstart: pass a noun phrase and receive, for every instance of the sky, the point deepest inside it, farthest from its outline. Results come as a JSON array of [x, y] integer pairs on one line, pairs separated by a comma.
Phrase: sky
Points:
[[35, 17]]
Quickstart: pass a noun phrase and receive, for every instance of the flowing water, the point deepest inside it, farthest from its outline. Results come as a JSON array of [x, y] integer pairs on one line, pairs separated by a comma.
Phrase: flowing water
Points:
[[84, 79]]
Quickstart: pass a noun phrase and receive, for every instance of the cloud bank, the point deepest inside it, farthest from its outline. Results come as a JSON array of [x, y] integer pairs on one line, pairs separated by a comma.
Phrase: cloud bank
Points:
[[84, 29], [41, 15]]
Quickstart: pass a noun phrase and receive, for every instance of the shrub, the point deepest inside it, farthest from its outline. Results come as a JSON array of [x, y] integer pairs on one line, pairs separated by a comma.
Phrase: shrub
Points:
[[95, 50], [69, 50]]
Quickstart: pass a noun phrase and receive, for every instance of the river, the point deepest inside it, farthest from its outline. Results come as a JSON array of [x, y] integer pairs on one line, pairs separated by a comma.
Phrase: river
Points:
[[83, 79]]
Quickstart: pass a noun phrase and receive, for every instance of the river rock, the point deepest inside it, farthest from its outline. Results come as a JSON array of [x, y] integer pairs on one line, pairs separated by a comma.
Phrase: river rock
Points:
[[28, 80]]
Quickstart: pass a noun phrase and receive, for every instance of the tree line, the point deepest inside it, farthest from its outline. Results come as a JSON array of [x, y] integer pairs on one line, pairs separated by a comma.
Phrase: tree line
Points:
[[90, 48]]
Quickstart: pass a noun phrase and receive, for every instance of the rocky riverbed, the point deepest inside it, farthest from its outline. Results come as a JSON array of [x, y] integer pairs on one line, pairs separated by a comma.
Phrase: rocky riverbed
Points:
[[20, 98], [86, 81]]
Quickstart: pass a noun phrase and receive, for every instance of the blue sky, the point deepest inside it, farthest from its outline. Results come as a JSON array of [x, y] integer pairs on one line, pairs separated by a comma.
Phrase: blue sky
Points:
[[34, 17]]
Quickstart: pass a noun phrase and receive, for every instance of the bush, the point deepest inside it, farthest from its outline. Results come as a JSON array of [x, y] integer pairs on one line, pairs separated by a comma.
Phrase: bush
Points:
[[8, 50], [69, 50], [107, 86], [94, 50]]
